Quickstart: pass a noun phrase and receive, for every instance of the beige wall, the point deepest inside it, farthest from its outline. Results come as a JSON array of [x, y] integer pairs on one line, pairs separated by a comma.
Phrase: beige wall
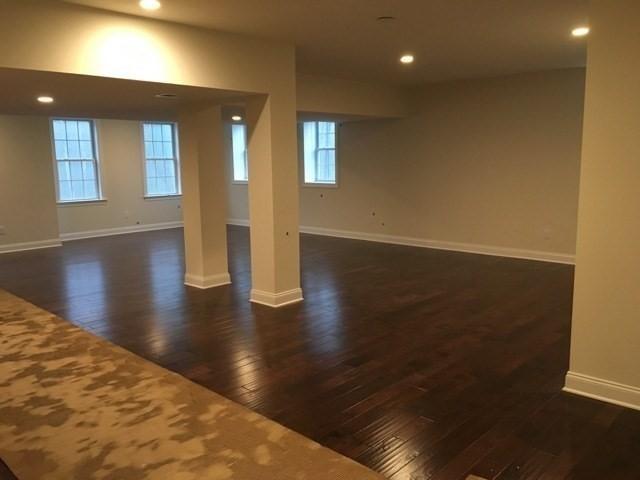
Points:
[[605, 343], [27, 191], [28, 210], [455, 171], [100, 43], [318, 94], [96, 42], [491, 162], [121, 166]]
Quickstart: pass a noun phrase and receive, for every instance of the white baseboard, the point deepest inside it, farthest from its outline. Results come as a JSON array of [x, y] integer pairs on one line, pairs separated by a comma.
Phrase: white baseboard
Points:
[[106, 232], [276, 299], [238, 221], [435, 244], [209, 281], [605, 390], [20, 247]]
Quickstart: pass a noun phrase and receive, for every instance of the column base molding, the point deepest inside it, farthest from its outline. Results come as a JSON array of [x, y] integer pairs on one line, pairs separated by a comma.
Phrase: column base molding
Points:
[[209, 281], [276, 299], [604, 390]]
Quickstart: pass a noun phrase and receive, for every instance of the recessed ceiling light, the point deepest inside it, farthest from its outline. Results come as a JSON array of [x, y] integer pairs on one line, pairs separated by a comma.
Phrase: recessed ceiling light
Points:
[[150, 4], [236, 118], [407, 59], [580, 31], [45, 99]]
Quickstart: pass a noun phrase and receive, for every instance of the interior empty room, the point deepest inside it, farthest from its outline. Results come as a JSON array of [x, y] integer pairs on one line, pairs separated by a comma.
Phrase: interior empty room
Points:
[[319, 240]]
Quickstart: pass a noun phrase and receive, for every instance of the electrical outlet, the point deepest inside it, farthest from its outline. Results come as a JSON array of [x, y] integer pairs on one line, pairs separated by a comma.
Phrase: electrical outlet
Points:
[[2, 230]]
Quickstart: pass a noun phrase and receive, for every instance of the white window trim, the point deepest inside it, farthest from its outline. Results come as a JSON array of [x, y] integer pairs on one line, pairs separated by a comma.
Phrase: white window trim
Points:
[[301, 155], [176, 153], [80, 203], [246, 155], [96, 154]]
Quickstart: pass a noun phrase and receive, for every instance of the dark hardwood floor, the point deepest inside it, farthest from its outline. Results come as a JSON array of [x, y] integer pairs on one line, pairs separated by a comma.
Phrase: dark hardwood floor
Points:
[[421, 364], [5, 473]]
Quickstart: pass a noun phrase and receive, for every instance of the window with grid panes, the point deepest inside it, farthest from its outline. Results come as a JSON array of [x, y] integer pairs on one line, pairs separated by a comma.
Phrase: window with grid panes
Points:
[[239, 147], [161, 159], [319, 142], [76, 160]]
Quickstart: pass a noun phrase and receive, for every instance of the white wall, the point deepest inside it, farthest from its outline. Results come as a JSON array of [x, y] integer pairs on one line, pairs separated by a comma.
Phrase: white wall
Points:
[[491, 162], [27, 192], [121, 166]]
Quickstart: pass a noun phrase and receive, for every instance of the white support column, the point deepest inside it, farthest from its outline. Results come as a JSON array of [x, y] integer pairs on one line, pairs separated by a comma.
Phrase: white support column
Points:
[[204, 197], [605, 331], [273, 200]]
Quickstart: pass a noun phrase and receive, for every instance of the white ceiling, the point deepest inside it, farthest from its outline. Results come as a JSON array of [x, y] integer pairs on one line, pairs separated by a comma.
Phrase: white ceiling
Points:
[[450, 38]]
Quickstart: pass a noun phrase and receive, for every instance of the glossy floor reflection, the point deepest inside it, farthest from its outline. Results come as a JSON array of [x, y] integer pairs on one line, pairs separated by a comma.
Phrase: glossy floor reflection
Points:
[[421, 364]]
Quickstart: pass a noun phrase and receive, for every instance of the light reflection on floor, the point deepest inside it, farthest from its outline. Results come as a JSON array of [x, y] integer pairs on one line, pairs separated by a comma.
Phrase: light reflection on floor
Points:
[[84, 283]]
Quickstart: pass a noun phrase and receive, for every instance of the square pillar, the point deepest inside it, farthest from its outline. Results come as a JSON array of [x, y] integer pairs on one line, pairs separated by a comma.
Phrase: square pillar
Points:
[[202, 166], [605, 331], [273, 200]]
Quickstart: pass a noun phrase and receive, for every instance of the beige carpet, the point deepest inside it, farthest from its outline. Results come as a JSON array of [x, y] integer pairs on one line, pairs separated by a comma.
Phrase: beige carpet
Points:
[[73, 406]]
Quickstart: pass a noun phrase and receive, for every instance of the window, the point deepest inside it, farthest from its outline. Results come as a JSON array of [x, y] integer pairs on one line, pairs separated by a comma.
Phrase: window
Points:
[[319, 139], [160, 160], [76, 160], [239, 146]]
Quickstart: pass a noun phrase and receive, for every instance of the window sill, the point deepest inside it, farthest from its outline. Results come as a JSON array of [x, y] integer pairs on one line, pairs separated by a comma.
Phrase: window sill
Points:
[[162, 197], [79, 203], [320, 185], [240, 182]]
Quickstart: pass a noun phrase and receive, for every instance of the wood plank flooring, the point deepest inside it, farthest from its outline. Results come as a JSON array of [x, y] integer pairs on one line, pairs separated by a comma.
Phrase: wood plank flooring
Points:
[[418, 363], [5, 473]]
